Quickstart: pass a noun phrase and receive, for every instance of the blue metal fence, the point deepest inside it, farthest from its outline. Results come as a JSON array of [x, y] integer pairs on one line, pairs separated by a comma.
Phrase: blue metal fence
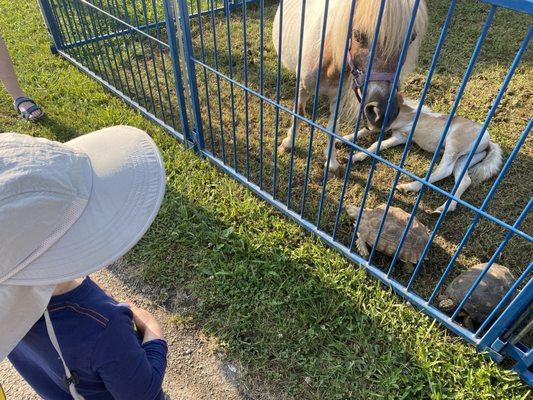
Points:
[[205, 71]]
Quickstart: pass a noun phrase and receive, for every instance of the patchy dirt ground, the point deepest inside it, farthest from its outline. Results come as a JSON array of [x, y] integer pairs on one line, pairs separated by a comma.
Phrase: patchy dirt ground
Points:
[[194, 371]]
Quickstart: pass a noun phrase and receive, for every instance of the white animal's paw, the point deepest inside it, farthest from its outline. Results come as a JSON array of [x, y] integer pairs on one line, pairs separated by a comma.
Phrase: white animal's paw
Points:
[[440, 209], [348, 138], [359, 156], [412, 187]]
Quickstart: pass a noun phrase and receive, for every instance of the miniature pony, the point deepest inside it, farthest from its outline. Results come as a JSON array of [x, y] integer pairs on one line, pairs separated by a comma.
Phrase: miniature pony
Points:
[[393, 28]]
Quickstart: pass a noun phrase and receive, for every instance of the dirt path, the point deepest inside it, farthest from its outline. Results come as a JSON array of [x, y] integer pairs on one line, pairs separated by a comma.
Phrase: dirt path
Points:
[[194, 372]]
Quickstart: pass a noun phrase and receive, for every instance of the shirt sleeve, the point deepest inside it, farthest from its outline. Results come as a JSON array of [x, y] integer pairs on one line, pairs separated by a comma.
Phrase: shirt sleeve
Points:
[[128, 369]]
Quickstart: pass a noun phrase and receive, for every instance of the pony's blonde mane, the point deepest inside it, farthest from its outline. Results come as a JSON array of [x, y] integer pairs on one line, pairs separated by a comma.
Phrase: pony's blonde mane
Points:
[[394, 24]]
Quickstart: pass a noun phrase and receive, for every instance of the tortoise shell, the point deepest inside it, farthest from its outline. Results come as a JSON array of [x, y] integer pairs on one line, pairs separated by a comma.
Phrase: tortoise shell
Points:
[[496, 282], [393, 228]]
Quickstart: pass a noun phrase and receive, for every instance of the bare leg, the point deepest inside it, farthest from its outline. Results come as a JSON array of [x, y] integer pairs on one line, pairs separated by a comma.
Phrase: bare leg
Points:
[[10, 82], [286, 145], [396, 139], [444, 170], [465, 182]]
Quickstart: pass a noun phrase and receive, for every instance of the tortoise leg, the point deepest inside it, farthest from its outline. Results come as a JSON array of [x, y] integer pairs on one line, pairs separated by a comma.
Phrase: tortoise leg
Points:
[[468, 323], [408, 267], [362, 247]]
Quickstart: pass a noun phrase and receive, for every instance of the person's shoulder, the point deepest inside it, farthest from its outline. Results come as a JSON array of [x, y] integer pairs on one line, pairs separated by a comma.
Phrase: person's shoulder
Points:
[[93, 304]]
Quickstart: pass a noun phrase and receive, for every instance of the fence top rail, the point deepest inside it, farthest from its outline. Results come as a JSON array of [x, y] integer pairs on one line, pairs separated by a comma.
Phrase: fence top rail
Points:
[[525, 6]]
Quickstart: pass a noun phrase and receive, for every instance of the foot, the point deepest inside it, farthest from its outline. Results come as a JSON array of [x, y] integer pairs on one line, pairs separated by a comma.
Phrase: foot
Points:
[[28, 109], [412, 187], [334, 170], [285, 146], [359, 156], [440, 209]]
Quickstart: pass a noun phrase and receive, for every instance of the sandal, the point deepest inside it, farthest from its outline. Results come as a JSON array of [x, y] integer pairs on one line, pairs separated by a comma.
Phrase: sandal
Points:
[[27, 114]]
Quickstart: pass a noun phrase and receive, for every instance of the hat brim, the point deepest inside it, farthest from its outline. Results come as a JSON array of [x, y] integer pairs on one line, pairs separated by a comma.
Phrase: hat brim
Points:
[[128, 187]]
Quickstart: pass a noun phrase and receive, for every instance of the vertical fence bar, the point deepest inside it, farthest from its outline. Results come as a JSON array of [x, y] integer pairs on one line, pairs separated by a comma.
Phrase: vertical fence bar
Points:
[[315, 107], [232, 90], [296, 107], [219, 102], [168, 8], [51, 23], [245, 61], [206, 83], [163, 63], [261, 86], [191, 73], [278, 95]]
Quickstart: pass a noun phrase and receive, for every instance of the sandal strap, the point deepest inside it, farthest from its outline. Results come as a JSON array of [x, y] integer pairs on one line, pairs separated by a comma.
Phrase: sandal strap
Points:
[[21, 100], [30, 110]]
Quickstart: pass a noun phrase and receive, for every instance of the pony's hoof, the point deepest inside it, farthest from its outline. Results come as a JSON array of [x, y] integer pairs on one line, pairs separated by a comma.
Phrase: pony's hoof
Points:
[[334, 173], [282, 149]]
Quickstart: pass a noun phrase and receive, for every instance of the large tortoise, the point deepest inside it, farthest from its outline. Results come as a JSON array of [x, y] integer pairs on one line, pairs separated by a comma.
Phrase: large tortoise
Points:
[[492, 287], [391, 233]]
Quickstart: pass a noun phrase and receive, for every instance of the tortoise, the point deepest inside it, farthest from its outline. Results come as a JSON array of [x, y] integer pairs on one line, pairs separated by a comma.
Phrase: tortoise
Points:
[[391, 233], [492, 287]]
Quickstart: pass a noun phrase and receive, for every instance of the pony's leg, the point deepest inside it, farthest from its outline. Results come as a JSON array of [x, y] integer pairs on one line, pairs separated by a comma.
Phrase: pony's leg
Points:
[[334, 166], [286, 144], [465, 182], [396, 139], [445, 169]]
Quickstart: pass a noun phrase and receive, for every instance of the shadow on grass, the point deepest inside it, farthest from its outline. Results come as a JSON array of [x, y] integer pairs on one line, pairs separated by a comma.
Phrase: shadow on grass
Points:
[[289, 310]]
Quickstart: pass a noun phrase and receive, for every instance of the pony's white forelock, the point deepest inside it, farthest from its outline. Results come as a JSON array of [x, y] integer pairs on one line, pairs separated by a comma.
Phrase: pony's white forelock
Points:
[[394, 24]]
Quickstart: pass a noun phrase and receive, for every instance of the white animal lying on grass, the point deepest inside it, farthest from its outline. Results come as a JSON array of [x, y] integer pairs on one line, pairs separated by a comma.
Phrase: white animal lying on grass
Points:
[[457, 145]]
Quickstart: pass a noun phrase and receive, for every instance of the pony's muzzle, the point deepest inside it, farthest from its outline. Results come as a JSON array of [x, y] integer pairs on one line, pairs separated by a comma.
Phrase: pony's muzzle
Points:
[[375, 113]]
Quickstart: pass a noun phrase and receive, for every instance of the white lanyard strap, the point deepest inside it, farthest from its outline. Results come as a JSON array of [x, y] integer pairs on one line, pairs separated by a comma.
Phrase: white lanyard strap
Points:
[[53, 338]]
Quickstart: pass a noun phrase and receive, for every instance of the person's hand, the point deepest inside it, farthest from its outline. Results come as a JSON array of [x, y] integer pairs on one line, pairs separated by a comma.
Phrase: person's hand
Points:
[[146, 323]]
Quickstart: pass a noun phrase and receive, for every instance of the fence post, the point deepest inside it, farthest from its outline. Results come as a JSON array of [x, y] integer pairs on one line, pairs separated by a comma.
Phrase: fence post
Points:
[[50, 21], [169, 10], [182, 15], [518, 306]]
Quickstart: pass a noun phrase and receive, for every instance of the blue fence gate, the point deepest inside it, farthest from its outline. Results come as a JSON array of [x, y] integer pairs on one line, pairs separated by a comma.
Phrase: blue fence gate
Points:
[[211, 72]]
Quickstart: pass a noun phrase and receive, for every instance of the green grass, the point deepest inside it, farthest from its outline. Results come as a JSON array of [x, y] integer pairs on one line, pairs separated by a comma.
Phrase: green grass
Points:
[[290, 311]]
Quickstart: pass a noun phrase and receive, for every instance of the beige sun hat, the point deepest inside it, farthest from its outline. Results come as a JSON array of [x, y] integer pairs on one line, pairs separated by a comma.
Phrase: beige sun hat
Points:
[[67, 210]]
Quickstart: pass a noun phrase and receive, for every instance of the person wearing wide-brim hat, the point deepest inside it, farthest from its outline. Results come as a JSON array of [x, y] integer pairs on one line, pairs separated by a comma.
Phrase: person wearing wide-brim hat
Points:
[[67, 210]]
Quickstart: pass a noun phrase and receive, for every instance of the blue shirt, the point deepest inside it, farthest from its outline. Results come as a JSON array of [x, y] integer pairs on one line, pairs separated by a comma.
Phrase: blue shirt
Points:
[[100, 346]]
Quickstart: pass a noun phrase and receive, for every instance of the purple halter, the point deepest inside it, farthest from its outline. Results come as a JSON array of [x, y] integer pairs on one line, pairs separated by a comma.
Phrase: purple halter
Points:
[[358, 76]]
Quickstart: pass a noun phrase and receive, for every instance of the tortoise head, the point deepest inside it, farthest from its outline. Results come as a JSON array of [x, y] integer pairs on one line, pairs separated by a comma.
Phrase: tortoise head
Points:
[[352, 211], [446, 304]]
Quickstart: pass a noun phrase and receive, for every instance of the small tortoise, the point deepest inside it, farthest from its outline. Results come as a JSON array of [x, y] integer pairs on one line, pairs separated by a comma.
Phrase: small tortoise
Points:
[[492, 287], [391, 233]]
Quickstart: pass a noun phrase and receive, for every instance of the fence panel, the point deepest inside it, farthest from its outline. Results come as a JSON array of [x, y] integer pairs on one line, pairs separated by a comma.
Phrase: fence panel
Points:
[[232, 78]]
